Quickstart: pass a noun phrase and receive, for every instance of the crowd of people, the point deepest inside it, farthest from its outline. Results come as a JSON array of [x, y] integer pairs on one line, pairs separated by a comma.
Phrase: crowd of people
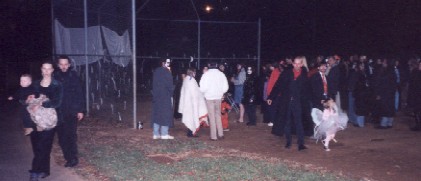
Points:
[[287, 91], [367, 90]]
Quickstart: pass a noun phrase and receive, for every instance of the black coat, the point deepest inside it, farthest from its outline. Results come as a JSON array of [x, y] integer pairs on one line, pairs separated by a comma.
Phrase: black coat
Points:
[[384, 86], [333, 79], [317, 91], [282, 88], [414, 91], [250, 90], [73, 100], [162, 93], [362, 94], [22, 95]]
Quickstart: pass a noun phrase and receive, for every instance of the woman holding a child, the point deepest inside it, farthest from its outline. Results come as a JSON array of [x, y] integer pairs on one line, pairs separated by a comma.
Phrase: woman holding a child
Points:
[[42, 140]]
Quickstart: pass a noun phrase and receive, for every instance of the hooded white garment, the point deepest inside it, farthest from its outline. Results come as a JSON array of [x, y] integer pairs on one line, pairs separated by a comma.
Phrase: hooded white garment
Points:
[[192, 105]]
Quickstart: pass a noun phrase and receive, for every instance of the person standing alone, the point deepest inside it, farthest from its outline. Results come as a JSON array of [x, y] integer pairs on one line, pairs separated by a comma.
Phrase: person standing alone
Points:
[[71, 110], [162, 97]]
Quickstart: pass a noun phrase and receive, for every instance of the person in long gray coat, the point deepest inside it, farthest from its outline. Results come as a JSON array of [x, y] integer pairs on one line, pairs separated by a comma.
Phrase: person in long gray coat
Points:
[[162, 106]]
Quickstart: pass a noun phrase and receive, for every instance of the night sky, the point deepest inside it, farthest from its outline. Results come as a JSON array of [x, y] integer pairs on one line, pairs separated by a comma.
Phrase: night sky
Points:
[[289, 27]]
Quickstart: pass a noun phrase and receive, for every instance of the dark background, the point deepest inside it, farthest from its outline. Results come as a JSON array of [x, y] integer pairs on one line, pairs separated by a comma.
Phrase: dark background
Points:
[[386, 28], [289, 27]]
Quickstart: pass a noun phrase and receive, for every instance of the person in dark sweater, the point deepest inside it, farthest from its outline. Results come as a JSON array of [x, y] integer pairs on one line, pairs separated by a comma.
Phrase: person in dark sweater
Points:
[[293, 86], [42, 141], [21, 95], [71, 110]]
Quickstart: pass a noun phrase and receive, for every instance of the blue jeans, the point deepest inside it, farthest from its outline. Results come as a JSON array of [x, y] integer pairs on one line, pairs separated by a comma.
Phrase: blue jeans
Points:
[[238, 93], [164, 130], [396, 100], [360, 121], [351, 109], [386, 121]]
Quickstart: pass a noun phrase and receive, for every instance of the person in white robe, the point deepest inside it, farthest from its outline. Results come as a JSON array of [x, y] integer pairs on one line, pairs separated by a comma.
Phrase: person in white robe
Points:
[[192, 104]]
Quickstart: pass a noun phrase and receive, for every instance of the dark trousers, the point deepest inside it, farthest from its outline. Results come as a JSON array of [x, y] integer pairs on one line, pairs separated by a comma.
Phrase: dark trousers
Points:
[[67, 136], [275, 117], [42, 142], [294, 113], [265, 110], [250, 110]]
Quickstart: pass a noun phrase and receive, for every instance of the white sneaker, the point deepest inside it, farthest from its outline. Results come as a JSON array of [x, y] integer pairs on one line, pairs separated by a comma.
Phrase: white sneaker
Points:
[[156, 137], [167, 137], [270, 124]]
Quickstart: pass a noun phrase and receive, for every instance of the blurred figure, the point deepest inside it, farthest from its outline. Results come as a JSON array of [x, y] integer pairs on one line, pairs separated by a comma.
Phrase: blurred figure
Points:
[[225, 109], [414, 97], [361, 92], [384, 86]]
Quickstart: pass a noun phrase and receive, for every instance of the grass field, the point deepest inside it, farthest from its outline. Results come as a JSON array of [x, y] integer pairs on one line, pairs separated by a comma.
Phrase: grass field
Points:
[[185, 160]]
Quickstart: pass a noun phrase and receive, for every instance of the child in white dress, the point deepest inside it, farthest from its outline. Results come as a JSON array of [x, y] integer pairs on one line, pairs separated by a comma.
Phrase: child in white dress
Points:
[[328, 122]]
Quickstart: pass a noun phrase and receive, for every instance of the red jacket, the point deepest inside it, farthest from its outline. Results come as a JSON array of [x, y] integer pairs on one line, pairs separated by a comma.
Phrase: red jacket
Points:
[[272, 80]]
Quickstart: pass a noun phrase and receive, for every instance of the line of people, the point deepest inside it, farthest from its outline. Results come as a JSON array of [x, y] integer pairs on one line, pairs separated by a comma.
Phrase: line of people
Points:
[[287, 91]]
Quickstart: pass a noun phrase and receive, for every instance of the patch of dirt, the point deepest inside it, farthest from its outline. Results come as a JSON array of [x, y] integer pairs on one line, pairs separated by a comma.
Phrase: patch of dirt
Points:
[[361, 153], [163, 159]]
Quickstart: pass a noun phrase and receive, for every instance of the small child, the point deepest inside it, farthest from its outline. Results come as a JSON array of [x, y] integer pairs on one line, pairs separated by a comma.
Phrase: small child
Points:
[[225, 109], [328, 122], [26, 90]]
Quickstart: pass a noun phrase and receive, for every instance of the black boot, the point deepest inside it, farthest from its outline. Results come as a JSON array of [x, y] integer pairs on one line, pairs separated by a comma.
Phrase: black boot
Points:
[[190, 134]]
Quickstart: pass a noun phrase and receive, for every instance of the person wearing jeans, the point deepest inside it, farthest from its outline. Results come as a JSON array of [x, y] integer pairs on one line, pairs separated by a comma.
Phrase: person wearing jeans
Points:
[[162, 103]]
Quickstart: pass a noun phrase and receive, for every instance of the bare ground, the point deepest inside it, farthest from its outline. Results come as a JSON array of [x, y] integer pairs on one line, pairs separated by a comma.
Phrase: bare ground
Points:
[[361, 153]]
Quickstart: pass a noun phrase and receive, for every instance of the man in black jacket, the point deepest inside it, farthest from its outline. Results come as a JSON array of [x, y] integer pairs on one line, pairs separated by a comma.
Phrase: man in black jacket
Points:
[[292, 85], [334, 79], [319, 86], [71, 109]]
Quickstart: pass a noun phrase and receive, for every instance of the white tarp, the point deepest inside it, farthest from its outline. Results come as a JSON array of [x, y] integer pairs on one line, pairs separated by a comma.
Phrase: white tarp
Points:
[[118, 46], [71, 41]]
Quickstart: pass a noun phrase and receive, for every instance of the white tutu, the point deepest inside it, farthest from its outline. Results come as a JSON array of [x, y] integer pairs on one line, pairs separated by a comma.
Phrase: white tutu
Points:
[[329, 121]]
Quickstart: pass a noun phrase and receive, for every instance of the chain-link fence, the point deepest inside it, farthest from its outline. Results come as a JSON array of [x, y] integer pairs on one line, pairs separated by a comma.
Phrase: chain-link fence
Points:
[[98, 36]]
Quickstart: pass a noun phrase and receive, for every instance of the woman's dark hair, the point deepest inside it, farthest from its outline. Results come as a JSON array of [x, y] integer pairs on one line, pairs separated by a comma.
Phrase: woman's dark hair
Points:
[[63, 57], [47, 62], [190, 71]]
